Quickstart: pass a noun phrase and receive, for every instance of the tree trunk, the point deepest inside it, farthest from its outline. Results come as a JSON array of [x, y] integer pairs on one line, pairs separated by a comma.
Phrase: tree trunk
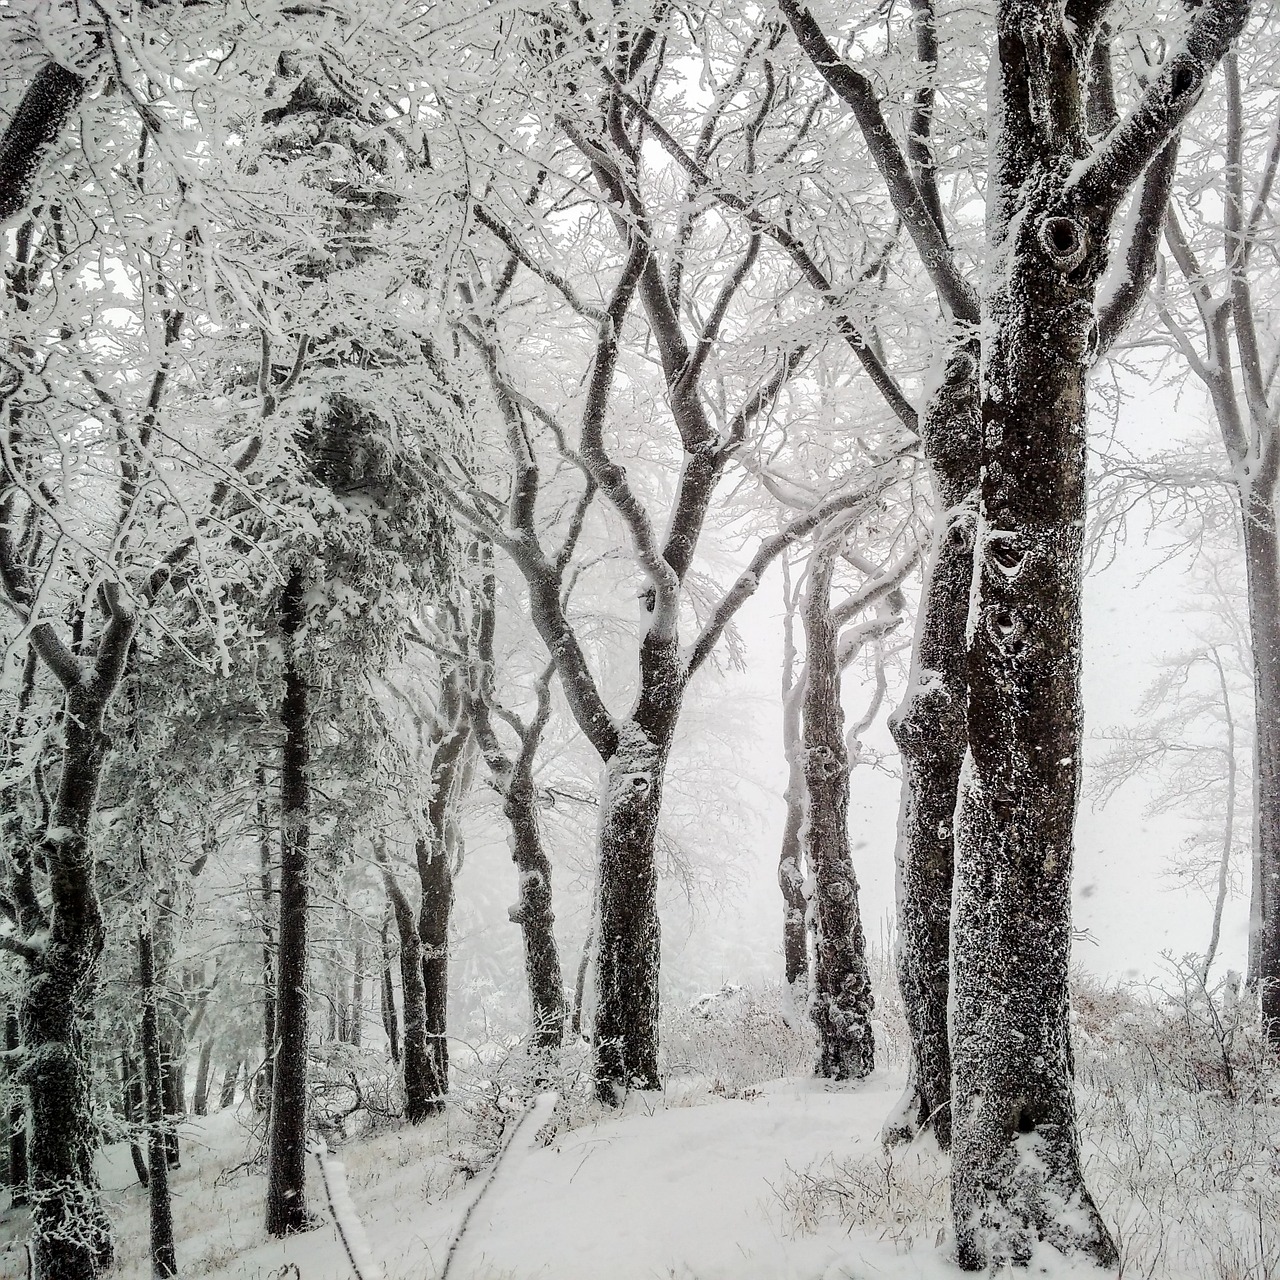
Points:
[[1262, 558], [135, 1111], [795, 945], [1016, 1174], [433, 931], [388, 999], [262, 1086], [286, 1158], [356, 1029], [534, 915], [929, 729], [423, 1087], [17, 1122], [163, 1252], [71, 1234], [841, 1003], [172, 1070], [227, 1098], [200, 1103], [628, 934]]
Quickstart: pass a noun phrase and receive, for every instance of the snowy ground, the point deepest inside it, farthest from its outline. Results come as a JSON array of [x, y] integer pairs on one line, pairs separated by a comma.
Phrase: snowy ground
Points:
[[688, 1185]]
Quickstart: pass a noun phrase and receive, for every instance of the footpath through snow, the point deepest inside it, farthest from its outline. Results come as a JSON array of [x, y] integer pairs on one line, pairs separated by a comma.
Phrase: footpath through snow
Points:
[[685, 1185]]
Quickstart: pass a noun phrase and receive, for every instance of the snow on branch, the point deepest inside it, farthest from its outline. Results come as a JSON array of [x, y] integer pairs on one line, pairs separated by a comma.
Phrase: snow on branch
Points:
[[1105, 178], [855, 90], [748, 581]]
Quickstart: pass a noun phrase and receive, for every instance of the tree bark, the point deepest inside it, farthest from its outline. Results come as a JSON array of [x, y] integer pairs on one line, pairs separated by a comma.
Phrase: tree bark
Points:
[[263, 1084], [200, 1102], [841, 1003], [71, 1234], [795, 945], [1016, 1172], [356, 1029], [1262, 560], [388, 999], [534, 914], [929, 730], [163, 1252], [436, 878], [286, 1158], [628, 934], [54, 93], [423, 1088], [17, 1122]]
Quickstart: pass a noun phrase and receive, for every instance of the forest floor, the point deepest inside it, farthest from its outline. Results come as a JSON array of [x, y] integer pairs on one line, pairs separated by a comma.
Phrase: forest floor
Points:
[[728, 1173]]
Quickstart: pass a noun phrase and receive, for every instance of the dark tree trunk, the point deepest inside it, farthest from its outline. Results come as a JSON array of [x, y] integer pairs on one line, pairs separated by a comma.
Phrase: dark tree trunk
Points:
[[580, 978], [1262, 558], [71, 1234], [227, 1097], [929, 729], [200, 1102], [135, 1111], [534, 915], [433, 931], [1016, 1172], [54, 93], [388, 999], [172, 1069], [356, 1028], [628, 934], [795, 904], [841, 1003], [17, 1122], [163, 1253], [423, 1087], [262, 1086], [286, 1158]]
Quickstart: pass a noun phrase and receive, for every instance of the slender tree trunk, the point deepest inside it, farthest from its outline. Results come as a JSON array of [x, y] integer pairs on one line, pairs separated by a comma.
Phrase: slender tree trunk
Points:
[[263, 1085], [580, 978], [1016, 1172], [200, 1103], [135, 1111], [172, 1070], [286, 1159], [841, 1003], [356, 1030], [1228, 822], [163, 1253], [17, 1121], [929, 729], [795, 945], [423, 1088], [534, 915], [433, 931], [227, 1098], [388, 998], [628, 934], [1262, 559]]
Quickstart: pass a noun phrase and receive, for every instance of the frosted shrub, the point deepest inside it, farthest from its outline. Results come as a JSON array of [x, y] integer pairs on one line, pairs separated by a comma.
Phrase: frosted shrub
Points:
[[737, 1038]]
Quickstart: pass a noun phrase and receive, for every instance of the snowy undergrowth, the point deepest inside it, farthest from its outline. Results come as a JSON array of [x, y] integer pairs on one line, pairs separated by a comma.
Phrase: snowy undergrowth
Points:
[[1180, 1116]]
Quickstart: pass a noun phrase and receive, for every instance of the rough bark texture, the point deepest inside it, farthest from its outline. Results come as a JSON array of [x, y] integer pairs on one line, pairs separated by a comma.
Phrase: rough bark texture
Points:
[[54, 93], [262, 1086], [929, 729], [163, 1253], [387, 998], [71, 1235], [1016, 1173], [423, 1089], [286, 1159], [628, 935], [436, 877], [841, 1003], [17, 1123], [795, 947], [534, 914]]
